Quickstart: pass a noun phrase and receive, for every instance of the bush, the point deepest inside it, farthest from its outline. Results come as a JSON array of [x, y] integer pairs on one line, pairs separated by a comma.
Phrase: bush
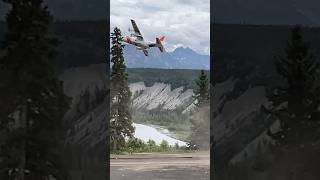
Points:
[[152, 146], [176, 146], [164, 145], [135, 145]]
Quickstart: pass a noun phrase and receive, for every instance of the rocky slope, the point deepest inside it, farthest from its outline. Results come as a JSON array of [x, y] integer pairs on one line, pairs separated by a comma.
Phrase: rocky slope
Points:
[[239, 124], [160, 96], [87, 86], [85, 144]]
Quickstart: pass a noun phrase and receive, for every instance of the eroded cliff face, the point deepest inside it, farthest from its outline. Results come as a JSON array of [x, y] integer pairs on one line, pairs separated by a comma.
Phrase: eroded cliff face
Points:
[[87, 117], [160, 96], [239, 123], [86, 137], [88, 86]]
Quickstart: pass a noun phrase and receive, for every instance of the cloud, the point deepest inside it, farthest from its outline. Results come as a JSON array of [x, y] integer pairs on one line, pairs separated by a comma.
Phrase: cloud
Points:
[[184, 22]]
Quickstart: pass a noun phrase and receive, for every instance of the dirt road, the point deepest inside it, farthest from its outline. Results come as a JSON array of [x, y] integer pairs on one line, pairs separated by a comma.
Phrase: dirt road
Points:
[[186, 166]]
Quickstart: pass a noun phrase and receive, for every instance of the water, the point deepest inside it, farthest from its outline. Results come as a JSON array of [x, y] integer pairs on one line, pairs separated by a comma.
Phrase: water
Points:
[[145, 133]]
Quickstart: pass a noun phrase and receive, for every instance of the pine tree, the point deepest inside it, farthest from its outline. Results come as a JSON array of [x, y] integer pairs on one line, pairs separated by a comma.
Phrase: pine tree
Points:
[[31, 147], [121, 121], [299, 70], [200, 120], [202, 93]]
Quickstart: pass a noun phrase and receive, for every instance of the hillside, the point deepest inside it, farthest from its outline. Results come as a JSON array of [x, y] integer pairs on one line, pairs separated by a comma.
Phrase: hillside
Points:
[[159, 104], [164, 103], [175, 77], [244, 76], [241, 50]]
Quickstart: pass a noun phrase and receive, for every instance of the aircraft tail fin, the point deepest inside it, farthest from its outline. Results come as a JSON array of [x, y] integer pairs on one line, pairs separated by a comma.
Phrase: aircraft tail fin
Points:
[[161, 38], [159, 44]]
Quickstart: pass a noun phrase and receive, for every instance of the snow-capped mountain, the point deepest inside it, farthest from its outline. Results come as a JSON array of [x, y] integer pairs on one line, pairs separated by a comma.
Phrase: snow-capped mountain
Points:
[[180, 58]]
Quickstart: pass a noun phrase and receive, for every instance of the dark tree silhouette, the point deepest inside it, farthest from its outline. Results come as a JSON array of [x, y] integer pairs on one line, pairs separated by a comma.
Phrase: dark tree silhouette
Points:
[[31, 126], [202, 92], [298, 96], [121, 121], [200, 120]]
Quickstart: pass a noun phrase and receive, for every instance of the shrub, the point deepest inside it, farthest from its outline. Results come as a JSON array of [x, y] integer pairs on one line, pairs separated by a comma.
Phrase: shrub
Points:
[[164, 145]]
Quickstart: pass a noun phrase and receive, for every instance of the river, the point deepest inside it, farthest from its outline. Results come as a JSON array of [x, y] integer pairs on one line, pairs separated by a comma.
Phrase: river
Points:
[[145, 132]]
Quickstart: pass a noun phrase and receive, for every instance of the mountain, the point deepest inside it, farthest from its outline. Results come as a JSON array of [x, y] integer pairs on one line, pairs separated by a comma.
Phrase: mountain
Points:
[[180, 58], [245, 77], [285, 12], [249, 50]]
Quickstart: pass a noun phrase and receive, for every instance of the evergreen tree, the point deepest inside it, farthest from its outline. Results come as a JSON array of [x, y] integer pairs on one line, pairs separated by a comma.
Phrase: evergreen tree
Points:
[[298, 96], [120, 122], [200, 120], [202, 93], [31, 145]]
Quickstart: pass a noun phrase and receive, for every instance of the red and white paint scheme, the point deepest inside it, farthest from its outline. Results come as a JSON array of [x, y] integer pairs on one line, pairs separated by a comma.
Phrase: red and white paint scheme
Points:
[[137, 40]]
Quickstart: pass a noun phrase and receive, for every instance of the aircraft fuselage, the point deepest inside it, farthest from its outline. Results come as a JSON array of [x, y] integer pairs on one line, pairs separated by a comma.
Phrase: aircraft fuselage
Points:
[[138, 43], [137, 40]]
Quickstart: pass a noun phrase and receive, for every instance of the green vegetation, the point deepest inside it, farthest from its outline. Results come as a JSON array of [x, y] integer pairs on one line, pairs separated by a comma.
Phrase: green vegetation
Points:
[[175, 77], [135, 145], [120, 115], [202, 90], [246, 51], [296, 88], [298, 68], [31, 140], [200, 131]]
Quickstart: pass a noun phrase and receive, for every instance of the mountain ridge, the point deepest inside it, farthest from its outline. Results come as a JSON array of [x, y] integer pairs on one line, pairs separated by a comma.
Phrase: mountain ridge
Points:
[[180, 58]]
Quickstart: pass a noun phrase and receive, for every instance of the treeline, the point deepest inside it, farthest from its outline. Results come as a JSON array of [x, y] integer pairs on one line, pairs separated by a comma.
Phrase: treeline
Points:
[[295, 103], [81, 42], [135, 145], [175, 77], [245, 51]]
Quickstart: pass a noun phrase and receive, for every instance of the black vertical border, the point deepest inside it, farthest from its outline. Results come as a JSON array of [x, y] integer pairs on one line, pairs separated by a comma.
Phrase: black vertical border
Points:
[[107, 48]]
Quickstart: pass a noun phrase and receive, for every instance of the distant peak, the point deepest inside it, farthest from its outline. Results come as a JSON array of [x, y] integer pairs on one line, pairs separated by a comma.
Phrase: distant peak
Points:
[[184, 49]]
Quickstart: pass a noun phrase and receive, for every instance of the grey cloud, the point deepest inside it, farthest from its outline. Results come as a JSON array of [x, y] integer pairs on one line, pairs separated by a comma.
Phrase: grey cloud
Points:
[[185, 23]]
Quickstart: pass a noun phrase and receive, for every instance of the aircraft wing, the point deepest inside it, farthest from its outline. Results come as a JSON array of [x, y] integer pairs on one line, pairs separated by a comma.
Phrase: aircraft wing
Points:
[[136, 30], [152, 45], [145, 52]]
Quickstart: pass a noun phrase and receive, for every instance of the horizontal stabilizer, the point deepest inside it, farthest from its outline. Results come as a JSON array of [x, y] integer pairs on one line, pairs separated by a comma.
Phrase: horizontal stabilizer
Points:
[[159, 44]]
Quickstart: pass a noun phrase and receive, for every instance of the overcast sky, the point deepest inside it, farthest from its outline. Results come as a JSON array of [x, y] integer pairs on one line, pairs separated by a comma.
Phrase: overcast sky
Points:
[[184, 22]]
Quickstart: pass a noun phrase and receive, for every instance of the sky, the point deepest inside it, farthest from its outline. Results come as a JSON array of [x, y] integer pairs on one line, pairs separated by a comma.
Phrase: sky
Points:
[[185, 23]]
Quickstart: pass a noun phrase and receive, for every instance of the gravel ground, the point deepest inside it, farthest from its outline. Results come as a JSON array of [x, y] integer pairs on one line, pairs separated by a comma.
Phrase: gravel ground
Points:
[[186, 166]]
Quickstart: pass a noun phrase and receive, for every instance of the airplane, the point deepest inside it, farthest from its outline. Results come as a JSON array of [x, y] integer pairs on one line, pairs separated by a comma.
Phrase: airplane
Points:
[[137, 40]]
